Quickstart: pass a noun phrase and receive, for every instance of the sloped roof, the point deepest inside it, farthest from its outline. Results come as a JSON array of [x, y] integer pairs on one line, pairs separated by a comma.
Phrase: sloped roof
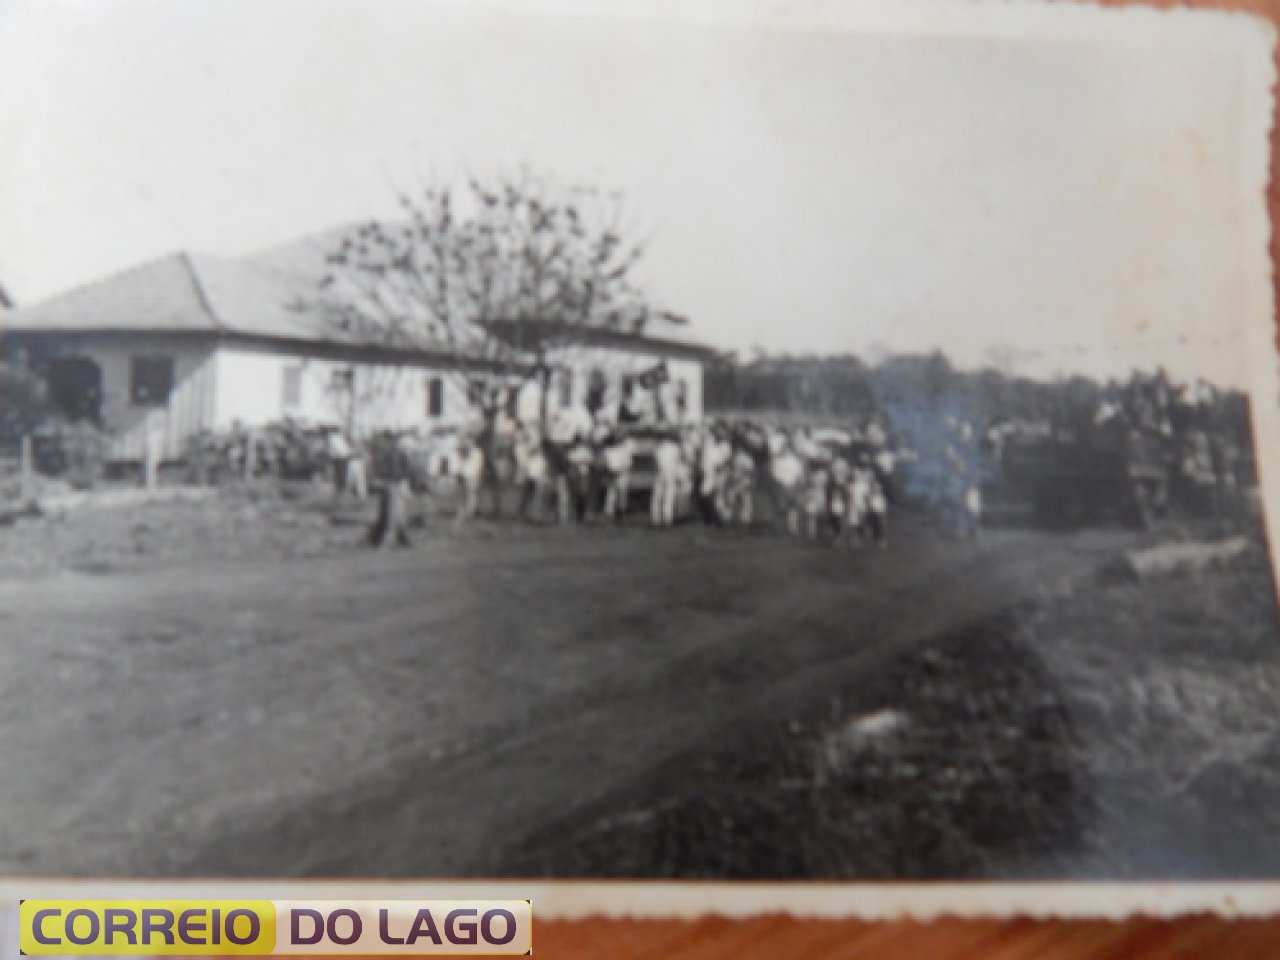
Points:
[[254, 296], [159, 295], [183, 293]]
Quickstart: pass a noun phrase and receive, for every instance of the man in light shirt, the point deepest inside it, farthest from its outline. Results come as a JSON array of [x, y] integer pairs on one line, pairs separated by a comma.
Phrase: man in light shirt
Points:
[[617, 455], [713, 463], [668, 462], [786, 470], [531, 468], [470, 475]]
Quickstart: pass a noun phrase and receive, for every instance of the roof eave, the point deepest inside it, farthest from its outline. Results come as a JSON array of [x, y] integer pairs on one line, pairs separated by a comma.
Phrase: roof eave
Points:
[[605, 336]]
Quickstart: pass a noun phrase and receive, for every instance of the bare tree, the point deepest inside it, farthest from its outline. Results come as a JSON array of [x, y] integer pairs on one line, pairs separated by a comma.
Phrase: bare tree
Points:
[[496, 277]]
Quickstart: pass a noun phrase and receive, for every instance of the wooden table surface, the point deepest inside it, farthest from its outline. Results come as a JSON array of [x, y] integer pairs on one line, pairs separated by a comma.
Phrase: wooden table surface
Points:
[[784, 938]]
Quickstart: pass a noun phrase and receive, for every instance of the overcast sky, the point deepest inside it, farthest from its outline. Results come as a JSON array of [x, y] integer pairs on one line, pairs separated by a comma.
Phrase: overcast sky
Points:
[[1063, 202]]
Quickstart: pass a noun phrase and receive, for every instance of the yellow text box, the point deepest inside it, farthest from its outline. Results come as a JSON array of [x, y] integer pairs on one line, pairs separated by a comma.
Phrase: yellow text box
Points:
[[154, 927]]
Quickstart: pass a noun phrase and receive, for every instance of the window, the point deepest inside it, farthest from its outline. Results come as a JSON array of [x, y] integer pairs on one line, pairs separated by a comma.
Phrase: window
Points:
[[150, 381], [291, 385], [597, 389], [342, 380], [435, 397], [75, 387], [682, 396]]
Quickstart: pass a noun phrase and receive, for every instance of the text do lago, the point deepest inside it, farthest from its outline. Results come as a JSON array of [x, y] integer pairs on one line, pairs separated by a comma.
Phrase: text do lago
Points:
[[464, 926]]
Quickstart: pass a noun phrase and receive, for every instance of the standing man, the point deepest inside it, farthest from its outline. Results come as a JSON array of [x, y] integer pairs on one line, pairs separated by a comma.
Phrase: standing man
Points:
[[531, 468], [618, 454], [582, 460], [740, 487], [878, 513], [339, 452], [973, 508], [490, 407], [395, 495], [787, 472], [965, 480], [858, 502], [357, 476], [713, 465], [470, 474], [668, 462]]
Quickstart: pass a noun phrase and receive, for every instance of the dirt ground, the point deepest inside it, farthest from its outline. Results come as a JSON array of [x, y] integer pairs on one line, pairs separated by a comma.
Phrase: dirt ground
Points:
[[239, 687]]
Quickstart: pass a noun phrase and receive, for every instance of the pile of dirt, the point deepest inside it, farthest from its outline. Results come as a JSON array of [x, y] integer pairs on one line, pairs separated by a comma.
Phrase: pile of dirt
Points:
[[950, 763], [1173, 685], [1118, 729]]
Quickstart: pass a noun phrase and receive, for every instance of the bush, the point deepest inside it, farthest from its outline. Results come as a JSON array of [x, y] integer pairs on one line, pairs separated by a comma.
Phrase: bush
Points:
[[75, 452], [24, 403]]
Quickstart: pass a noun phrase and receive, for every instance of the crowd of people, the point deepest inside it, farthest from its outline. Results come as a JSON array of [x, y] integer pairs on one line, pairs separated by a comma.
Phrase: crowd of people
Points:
[[838, 483], [834, 482], [831, 485]]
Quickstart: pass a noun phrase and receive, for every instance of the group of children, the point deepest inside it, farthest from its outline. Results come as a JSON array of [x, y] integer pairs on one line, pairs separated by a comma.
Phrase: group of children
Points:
[[844, 500], [839, 495]]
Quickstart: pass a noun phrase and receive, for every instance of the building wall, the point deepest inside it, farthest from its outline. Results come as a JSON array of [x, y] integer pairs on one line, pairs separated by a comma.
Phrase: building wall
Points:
[[191, 400], [616, 364], [217, 385], [253, 388], [258, 385]]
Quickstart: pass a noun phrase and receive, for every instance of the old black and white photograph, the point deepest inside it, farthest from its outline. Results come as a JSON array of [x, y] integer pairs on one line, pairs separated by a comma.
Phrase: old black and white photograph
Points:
[[635, 441]]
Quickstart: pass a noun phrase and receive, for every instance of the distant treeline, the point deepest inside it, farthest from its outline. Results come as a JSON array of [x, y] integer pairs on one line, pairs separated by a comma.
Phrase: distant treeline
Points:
[[907, 388]]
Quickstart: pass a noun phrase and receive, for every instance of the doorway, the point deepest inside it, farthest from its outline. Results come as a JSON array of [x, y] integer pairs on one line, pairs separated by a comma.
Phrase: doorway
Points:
[[75, 388]]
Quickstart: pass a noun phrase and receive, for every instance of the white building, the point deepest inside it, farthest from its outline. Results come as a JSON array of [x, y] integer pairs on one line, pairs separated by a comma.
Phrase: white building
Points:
[[191, 342]]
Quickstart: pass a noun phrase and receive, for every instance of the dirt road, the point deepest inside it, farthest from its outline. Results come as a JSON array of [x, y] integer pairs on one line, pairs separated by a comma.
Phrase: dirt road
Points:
[[418, 713]]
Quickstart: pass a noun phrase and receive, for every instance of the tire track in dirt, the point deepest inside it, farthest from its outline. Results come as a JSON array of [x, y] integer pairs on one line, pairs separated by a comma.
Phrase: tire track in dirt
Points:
[[458, 814]]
